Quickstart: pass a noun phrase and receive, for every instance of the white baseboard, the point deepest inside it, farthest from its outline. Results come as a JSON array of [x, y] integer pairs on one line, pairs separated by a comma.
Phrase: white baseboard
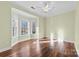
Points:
[[17, 42], [4, 49], [69, 41], [20, 41]]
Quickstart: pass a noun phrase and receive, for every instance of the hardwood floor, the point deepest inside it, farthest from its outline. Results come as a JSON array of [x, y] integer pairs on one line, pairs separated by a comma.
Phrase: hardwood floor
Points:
[[5, 53], [32, 48]]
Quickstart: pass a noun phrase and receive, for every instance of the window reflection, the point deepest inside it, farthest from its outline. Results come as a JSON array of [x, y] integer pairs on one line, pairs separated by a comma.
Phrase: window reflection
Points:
[[60, 35], [61, 40], [51, 39]]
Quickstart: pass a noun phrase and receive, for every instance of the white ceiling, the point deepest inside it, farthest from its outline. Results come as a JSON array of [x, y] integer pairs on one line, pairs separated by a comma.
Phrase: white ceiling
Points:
[[57, 7]]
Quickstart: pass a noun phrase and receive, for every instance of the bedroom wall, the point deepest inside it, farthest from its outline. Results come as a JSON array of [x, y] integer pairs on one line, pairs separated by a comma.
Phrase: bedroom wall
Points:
[[64, 22]]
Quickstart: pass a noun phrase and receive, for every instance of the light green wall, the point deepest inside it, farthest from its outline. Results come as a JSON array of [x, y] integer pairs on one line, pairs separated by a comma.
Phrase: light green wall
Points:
[[63, 21], [42, 27], [77, 29], [5, 35]]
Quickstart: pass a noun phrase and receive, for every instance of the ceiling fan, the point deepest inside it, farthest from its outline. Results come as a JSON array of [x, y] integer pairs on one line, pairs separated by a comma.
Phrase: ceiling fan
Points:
[[46, 6]]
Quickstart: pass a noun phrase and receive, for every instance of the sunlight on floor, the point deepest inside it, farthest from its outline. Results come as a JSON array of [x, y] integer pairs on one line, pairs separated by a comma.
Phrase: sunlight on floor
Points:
[[51, 39], [60, 39], [38, 49]]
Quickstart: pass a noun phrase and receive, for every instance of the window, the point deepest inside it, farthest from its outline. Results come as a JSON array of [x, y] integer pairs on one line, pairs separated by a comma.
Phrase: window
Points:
[[24, 27]]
